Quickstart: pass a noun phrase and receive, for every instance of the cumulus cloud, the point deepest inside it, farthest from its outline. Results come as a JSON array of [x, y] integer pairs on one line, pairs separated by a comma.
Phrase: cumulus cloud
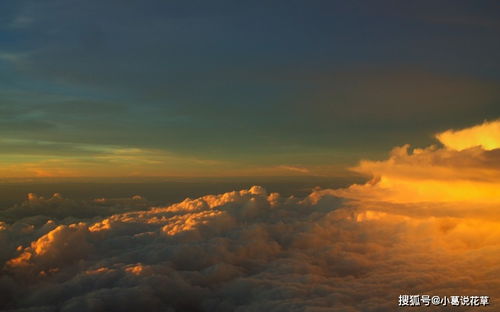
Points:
[[352, 249], [486, 135], [465, 169]]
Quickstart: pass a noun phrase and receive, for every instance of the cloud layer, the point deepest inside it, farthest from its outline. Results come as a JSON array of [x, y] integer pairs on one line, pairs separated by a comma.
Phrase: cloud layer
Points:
[[428, 223]]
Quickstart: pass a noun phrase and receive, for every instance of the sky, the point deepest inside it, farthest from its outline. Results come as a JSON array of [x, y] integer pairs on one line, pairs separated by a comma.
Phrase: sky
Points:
[[249, 155], [224, 88]]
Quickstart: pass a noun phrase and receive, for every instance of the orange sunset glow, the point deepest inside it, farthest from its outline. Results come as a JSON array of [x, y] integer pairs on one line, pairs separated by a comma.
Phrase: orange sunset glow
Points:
[[249, 156], [431, 215]]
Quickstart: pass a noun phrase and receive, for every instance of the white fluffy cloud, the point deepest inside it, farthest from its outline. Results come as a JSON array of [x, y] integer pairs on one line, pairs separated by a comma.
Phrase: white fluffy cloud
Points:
[[353, 249]]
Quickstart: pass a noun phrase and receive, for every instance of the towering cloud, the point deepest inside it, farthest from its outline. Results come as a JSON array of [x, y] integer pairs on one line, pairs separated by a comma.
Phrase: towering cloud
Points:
[[465, 169], [486, 135], [427, 223]]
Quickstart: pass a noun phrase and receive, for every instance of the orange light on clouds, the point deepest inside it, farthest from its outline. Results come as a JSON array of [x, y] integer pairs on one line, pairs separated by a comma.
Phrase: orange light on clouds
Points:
[[461, 171], [486, 135], [428, 222]]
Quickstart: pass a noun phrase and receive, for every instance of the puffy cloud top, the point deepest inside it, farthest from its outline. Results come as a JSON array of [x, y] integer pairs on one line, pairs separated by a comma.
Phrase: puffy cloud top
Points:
[[407, 231], [466, 169], [486, 135]]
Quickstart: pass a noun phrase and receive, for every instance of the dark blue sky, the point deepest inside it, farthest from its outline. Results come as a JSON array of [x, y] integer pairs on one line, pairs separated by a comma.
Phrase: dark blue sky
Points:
[[236, 87]]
